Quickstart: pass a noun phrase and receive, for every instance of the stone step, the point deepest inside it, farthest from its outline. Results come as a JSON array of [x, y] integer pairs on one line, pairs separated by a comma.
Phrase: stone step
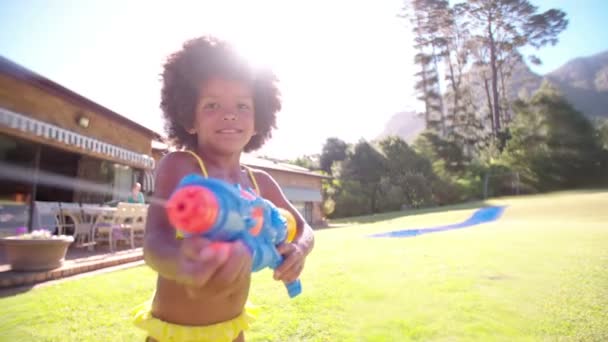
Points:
[[9, 278]]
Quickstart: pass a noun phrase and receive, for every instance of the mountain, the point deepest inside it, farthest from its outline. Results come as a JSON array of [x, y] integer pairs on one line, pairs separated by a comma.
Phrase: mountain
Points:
[[583, 81], [406, 125]]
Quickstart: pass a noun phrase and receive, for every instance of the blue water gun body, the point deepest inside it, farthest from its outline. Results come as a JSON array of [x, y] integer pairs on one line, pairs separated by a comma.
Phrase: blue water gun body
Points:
[[220, 211]]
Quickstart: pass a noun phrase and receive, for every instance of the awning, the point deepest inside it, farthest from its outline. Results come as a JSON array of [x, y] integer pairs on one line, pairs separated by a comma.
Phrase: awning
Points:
[[148, 184], [295, 194], [54, 133]]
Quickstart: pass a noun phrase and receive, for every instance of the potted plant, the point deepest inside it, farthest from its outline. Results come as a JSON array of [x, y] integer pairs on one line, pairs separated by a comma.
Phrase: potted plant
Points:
[[29, 249], [36, 251]]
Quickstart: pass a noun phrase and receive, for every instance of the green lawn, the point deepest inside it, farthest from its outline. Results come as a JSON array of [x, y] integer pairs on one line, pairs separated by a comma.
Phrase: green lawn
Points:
[[539, 273]]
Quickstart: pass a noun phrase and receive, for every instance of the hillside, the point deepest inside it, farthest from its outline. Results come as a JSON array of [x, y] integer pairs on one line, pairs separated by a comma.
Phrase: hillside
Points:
[[583, 81]]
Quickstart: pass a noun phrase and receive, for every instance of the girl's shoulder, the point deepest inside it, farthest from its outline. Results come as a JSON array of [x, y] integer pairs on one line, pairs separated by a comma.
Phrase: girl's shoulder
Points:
[[179, 162], [264, 181], [177, 157], [171, 168]]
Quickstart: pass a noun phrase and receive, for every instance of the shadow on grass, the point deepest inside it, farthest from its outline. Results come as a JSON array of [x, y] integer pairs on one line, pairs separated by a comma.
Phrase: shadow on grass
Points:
[[13, 291], [347, 221]]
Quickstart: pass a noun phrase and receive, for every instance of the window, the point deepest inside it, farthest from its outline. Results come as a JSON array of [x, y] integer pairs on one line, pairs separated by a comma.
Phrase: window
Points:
[[304, 208], [308, 212]]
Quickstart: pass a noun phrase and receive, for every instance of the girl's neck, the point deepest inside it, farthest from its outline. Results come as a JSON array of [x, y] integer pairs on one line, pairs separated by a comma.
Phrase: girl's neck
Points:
[[227, 167]]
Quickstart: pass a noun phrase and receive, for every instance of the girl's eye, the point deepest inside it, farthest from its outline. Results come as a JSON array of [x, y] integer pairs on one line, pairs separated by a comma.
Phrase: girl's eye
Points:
[[243, 106], [211, 106]]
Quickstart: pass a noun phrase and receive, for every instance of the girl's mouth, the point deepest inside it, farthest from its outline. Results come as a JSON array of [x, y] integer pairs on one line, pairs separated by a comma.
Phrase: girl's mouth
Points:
[[229, 131]]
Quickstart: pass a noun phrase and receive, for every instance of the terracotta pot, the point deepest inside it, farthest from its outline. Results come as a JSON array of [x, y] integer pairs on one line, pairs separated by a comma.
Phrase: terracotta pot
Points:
[[35, 254]]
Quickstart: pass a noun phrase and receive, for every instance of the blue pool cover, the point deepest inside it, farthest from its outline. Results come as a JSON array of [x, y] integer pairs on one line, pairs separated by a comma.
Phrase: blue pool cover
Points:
[[483, 215]]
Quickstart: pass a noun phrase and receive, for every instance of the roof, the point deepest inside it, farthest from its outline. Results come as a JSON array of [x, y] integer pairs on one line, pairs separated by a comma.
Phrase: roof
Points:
[[264, 163], [14, 70], [159, 145]]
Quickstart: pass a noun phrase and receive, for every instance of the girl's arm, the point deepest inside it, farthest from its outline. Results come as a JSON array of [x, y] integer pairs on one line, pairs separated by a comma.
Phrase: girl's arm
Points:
[[160, 245], [272, 192]]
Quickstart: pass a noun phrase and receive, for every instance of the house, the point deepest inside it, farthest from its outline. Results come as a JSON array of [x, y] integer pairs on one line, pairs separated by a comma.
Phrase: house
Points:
[[302, 187], [85, 152], [94, 155]]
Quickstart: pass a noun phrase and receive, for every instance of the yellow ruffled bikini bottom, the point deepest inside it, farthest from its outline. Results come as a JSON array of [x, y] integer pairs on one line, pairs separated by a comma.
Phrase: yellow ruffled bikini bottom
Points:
[[168, 332]]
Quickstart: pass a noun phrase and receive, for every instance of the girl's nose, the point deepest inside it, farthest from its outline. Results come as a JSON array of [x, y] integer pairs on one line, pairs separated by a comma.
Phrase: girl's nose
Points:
[[229, 115]]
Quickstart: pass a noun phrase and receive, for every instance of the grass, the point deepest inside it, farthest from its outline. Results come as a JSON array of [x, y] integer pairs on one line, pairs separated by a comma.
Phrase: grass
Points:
[[538, 273]]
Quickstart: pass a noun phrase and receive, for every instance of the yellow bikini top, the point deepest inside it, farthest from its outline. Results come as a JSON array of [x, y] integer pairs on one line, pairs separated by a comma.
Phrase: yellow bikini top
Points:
[[179, 235], [204, 171]]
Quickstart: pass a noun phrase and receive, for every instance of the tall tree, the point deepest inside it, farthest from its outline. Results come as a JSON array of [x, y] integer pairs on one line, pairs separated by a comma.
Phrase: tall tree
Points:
[[430, 47], [602, 133], [409, 171], [366, 166], [501, 28], [462, 124], [334, 150], [310, 162], [553, 146]]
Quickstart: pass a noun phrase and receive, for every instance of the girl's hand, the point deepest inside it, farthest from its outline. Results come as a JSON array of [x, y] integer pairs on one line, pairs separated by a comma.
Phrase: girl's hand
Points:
[[234, 273], [293, 263], [199, 259], [213, 268]]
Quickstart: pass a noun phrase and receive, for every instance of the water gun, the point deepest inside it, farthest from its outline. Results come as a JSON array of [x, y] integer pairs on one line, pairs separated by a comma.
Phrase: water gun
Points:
[[219, 211]]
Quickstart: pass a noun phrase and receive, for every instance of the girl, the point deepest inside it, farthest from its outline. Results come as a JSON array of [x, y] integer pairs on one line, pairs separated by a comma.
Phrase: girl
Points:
[[216, 107]]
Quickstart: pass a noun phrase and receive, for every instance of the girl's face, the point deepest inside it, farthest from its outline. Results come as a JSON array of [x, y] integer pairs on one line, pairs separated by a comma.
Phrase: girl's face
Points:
[[225, 117]]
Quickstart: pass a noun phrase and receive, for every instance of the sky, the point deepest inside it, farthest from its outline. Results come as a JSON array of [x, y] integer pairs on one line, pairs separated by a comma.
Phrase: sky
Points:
[[345, 66]]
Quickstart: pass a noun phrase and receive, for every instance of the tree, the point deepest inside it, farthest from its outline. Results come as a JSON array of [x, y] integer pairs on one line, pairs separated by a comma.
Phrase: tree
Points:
[[602, 133], [430, 46], [366, 166], [500, 29], [602, 137], [553, 146], [310, 162], [408, 171], [447, 156], [334, 150]]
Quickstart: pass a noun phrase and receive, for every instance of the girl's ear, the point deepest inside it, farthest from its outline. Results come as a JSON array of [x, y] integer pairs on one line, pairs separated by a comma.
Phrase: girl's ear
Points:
[[190, 128]]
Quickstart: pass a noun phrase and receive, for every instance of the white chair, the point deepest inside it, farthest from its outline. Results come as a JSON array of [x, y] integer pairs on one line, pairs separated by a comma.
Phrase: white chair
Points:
[[46, 216], [138, 226], [69, 215], [128, 217], [104, 227], [82, 223]]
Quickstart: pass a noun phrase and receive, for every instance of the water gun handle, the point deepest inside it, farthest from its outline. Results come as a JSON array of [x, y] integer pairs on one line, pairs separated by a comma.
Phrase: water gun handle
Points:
[[294, 288]]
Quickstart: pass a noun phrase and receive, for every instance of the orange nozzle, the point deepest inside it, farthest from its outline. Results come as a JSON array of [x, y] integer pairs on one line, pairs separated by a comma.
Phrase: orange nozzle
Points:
[[258, 215], [193, 209]]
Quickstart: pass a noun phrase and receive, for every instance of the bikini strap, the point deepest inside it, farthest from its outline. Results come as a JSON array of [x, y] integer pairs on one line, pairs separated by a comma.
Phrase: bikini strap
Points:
[[200, 163], [204, 171], [252, 177]]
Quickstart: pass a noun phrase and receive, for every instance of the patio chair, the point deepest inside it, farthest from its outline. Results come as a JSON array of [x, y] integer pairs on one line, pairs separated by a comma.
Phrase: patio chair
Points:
[[138, 226], [69, 216], [46, 216], [105, 228], [125, 219], [82, 224]]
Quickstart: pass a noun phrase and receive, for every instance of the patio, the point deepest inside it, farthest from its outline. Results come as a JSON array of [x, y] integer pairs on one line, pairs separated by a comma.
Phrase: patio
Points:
[[77, 261], [103, 237], [89, 224]]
